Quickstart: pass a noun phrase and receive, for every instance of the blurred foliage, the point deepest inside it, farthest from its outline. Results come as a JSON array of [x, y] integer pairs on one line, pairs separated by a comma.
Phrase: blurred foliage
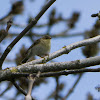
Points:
[[3, 34], [74, 18], [93, 49], [89, 96], [20, 55]]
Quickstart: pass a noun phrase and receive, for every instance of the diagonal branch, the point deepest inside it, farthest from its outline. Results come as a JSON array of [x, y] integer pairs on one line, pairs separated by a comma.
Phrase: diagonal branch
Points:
[[31, 24], [73, 87], [66, 50], [19, 88]]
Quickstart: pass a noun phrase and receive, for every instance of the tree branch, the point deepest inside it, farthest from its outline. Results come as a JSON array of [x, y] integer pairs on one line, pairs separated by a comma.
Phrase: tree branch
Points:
[[18, 87], [52, 67]]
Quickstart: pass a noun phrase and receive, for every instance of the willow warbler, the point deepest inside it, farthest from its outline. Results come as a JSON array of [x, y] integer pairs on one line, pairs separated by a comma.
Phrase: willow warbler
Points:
[[40, 47]]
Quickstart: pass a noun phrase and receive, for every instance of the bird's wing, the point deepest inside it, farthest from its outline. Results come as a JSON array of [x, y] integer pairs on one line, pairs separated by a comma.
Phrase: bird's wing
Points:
[[35, 43]]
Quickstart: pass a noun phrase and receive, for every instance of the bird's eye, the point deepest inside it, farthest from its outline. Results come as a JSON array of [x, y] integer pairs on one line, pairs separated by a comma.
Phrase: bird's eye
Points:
[[47, 37]]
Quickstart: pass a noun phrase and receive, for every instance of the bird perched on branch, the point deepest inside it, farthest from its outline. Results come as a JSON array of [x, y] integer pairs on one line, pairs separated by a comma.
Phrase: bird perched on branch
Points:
[[40, 47]]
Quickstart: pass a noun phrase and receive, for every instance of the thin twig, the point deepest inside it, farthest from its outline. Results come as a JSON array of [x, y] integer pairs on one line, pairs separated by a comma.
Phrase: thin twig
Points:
[[19, 88], [57, 88], [8, 16], [63, 34], [9, 24], [3, 34], [73, 87], [8, 87]]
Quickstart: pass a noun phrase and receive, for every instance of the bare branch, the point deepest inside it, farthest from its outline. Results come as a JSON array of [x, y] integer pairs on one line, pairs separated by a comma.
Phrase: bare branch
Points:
[[31, 82], [8, 87], [30, 68], [18, 87], [57, 88], [9, 24], [73, 87]]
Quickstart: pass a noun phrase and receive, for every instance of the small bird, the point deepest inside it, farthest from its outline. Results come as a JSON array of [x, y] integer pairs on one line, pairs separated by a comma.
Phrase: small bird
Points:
[[40, 47]]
